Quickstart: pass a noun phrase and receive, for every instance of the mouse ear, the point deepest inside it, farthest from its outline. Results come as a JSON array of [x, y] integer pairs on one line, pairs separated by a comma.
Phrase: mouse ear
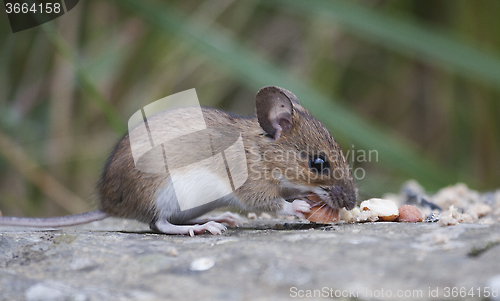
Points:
[[274, 107]]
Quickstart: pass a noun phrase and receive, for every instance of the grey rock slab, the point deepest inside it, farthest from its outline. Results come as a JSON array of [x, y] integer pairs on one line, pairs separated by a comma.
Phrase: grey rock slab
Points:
[[260, 260]]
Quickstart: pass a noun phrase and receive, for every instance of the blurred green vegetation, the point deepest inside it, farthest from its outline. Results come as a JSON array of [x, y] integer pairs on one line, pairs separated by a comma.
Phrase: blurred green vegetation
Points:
[[418, 81]]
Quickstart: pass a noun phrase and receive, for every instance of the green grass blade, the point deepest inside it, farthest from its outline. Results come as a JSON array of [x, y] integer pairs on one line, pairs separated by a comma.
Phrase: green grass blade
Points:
[[87, 85]]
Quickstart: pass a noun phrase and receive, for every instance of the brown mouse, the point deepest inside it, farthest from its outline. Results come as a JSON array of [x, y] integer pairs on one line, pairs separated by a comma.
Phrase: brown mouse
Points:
[[285, 155]]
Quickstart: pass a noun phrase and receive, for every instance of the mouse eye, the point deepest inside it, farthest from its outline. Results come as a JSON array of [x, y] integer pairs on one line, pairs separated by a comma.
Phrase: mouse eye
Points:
[[319, 164]]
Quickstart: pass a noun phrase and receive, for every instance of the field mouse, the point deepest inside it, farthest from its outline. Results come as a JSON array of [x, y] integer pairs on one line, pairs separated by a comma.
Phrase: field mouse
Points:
[[289, 155]]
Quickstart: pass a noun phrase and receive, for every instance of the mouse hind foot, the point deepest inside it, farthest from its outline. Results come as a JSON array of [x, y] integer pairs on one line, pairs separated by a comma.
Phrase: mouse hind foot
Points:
[[164, 226]]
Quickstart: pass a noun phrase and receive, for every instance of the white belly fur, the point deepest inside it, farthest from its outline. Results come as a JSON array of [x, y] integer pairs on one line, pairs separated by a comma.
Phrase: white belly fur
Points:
[[201, 193]]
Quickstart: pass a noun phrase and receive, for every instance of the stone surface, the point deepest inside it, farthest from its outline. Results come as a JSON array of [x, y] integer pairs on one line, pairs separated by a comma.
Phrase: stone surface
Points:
[[260, 260]]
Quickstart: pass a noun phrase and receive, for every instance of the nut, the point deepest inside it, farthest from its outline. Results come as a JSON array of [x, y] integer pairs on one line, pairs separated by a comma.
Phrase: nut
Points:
[[322, 213], [386, 210], [409, 214]]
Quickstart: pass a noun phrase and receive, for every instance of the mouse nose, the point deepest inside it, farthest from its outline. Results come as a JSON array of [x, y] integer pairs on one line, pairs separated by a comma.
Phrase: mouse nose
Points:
[[344, 196]]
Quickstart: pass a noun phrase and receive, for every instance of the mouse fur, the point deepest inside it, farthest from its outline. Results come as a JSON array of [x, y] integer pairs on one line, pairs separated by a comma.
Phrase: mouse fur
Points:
[[284, 148]]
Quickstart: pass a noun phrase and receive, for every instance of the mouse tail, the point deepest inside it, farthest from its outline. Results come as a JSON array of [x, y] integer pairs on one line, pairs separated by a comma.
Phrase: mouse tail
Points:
[[61, 221]]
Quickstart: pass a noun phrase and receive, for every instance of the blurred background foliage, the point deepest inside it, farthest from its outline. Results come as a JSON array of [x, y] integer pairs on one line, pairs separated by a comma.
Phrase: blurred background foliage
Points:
[[416, 80]]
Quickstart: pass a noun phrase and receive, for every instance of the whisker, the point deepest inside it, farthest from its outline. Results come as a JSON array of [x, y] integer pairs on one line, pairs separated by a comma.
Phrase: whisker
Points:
[[323, 205], [314, 213]]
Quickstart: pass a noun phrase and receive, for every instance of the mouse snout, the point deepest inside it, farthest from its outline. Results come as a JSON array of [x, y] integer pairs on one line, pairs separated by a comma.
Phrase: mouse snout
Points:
[[344, 196]]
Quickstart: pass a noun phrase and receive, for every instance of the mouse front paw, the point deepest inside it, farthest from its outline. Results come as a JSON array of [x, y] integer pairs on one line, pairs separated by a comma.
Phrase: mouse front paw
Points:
[[297, 208]]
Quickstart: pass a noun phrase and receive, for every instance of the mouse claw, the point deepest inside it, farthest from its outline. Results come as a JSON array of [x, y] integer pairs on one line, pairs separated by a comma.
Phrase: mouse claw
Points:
[[212, 227], [301, 206]]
